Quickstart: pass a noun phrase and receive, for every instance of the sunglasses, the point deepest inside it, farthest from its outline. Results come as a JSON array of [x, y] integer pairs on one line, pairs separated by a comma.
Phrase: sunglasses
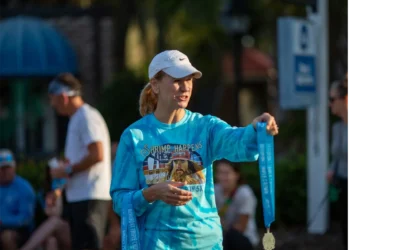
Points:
[[332, 99]]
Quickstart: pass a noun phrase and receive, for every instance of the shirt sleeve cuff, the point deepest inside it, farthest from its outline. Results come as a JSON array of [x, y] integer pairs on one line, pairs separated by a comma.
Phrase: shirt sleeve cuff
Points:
[[140, 202], [251, 133]]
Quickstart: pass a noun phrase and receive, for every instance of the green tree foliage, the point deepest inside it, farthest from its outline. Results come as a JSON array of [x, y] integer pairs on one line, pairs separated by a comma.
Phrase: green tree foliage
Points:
[[290, 189]]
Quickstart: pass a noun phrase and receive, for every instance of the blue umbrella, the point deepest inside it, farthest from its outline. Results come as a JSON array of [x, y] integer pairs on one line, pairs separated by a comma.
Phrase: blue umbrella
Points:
[[32, 47]]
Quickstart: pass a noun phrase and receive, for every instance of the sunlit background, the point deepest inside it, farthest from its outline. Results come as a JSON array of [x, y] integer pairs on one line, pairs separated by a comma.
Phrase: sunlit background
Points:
[[109, 44]]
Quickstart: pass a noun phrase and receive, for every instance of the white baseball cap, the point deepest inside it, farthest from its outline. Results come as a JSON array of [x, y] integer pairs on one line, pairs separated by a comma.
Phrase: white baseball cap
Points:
[[6, 158], [174, 63]]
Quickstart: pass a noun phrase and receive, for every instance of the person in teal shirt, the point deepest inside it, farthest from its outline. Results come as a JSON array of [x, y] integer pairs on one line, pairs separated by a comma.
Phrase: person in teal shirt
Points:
[[162, 182]]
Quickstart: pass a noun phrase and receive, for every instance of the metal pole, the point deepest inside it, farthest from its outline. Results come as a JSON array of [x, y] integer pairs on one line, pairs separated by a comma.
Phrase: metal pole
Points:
[[18, 89], [351, 126], [317, 128]]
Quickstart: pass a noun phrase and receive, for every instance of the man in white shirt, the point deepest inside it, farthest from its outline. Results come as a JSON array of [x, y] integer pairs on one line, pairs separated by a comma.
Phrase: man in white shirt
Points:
[[87, 165]]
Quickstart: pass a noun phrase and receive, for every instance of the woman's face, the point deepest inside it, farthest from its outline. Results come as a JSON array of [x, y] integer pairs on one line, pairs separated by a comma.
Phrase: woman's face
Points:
[[226, 175], [336, 103], [173, 93]]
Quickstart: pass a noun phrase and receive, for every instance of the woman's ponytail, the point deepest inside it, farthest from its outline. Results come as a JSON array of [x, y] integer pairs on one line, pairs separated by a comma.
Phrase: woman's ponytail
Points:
[[147, 100]]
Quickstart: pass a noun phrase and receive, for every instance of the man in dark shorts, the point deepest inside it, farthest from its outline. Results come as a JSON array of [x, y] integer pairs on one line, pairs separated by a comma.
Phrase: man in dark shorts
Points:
[[87, 221], [87, 166], [17, 204]]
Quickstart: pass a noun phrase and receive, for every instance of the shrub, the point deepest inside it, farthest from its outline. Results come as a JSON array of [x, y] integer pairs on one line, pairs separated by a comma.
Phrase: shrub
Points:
[[290, 189], [33, 171]]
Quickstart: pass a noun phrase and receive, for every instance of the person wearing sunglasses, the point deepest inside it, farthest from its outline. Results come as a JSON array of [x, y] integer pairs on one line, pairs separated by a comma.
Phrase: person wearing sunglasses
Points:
[[337, 173]]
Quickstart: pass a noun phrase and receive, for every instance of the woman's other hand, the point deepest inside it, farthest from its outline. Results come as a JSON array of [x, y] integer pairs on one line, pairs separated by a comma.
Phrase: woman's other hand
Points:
[[272, 127], [169, 192]]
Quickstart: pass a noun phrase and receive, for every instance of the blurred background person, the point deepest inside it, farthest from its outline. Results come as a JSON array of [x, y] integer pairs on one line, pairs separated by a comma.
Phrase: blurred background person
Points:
[[337, 173], [112, 240], [236, 205], [87, 165], [17, 204], [54, 232], [114, 147]]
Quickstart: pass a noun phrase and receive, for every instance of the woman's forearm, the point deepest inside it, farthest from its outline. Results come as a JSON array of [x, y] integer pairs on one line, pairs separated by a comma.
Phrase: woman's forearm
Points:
[[241, 223], [134, 198], [150, 194]]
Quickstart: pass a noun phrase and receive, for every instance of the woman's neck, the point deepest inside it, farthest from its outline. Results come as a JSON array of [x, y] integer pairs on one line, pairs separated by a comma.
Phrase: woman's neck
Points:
[[169, 116], [345, 116], [228, 190]]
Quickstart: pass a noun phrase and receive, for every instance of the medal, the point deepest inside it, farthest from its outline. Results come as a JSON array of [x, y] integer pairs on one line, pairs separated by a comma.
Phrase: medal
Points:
[[265, 143], [268, 241]]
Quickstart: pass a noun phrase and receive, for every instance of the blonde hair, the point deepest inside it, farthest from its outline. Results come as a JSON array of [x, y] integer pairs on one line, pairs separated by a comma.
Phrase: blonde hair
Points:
[[148, 99]]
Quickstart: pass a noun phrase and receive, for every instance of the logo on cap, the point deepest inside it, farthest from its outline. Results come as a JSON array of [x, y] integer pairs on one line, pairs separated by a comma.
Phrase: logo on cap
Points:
[[6, 158]]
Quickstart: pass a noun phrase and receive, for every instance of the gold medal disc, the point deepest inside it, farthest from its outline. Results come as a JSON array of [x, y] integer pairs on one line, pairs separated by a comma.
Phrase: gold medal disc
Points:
[[269, 241]]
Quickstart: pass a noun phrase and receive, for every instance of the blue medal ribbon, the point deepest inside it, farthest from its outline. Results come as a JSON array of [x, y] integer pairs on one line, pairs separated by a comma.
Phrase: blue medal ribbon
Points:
[[265, 143], [130, 237]]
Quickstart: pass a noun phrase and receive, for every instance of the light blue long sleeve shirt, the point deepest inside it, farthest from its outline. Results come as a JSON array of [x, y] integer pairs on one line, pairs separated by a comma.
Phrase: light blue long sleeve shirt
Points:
[[17, 204], [151, 152]]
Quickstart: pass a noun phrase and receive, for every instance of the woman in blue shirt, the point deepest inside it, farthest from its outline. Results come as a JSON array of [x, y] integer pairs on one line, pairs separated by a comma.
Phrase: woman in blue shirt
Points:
[[162, 177]]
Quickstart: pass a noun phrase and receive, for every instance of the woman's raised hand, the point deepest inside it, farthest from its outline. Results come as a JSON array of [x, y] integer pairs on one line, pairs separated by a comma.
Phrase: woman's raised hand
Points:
[[272, 127]]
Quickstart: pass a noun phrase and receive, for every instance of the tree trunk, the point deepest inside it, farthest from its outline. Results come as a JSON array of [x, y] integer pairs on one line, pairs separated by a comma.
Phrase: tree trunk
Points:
[[123, 16], [160, 20]]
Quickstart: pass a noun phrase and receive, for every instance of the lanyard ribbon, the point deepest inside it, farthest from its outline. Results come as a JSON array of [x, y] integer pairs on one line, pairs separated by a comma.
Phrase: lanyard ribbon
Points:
[[130, 238], [222, 211], [265, 143]]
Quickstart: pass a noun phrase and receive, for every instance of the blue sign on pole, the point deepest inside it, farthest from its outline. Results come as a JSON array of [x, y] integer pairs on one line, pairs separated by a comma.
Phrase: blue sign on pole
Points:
[[296, 61]]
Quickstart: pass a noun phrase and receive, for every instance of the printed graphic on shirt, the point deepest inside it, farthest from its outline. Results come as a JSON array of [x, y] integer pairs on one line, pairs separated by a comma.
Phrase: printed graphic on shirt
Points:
[[173, 162]]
